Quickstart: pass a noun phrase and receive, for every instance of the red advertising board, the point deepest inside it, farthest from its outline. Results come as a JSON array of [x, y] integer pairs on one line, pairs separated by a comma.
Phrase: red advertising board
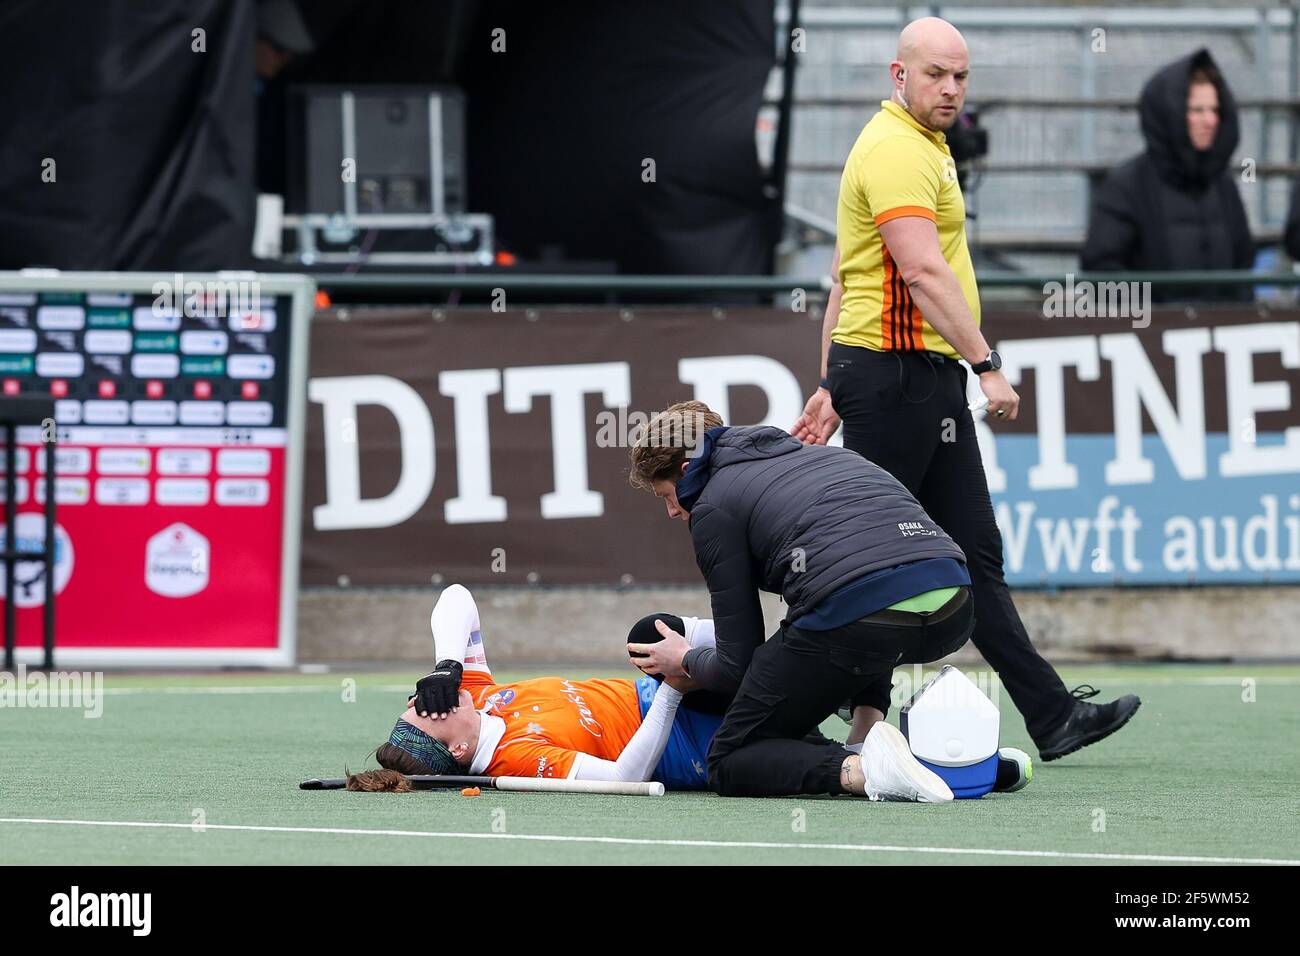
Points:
[[178, 410]]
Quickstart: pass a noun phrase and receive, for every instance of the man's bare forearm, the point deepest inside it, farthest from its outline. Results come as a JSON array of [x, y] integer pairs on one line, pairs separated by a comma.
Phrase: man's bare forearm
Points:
[[829, 321], [832, 316], [938, 293]]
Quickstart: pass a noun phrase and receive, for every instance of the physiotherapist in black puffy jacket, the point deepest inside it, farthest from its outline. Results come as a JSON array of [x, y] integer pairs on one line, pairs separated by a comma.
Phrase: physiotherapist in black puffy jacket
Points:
[[871, 582], [1176, 206]]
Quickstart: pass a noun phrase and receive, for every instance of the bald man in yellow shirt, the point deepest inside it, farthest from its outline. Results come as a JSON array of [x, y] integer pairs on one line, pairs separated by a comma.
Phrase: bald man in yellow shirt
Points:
[[903, 310]]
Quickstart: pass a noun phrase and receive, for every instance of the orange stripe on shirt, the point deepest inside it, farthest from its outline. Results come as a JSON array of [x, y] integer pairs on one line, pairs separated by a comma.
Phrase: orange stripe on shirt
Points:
[[889, 301], [914, 337], [900, 319], [904, 333], [898, 212], [918, 333]]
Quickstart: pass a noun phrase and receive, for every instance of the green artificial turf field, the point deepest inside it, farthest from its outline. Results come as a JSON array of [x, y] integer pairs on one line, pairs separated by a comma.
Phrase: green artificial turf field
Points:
[[204, 769]]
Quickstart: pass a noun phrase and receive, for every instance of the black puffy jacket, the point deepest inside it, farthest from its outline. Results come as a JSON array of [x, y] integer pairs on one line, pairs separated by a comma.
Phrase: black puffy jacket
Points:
[[1291, 234], [1174, 208], [770, 513]]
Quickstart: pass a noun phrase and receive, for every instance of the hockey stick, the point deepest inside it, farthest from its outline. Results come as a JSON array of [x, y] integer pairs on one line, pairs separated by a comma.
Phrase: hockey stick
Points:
[[526, 784]]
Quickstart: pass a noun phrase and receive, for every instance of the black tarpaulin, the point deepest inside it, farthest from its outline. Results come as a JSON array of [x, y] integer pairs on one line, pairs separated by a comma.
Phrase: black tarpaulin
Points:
[[152, 140], [155, 142], [562, 122]]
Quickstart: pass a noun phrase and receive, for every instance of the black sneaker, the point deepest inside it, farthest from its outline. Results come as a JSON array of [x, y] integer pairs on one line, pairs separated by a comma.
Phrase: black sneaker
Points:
[[1087, 723]]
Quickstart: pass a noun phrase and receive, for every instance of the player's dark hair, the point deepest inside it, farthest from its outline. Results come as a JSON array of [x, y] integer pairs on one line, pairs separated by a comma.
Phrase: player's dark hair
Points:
[[397, 764], [1205, 74], [392, 757], [379, 781]]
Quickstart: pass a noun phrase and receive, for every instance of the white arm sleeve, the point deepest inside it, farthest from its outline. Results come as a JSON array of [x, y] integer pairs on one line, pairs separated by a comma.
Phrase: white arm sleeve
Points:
[[455, 627], [638, 759], [699, 632]]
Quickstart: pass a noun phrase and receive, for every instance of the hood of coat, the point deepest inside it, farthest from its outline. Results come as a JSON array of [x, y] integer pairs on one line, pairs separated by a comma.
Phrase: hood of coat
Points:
[[1163, 111], [724, 446]]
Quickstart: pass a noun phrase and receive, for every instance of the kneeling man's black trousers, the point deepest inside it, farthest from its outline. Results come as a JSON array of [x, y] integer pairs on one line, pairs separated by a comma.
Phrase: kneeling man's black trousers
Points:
[[798, 678]]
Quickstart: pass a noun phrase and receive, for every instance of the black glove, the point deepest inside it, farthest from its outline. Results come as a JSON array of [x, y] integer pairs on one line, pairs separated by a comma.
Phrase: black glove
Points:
[[439, 692]]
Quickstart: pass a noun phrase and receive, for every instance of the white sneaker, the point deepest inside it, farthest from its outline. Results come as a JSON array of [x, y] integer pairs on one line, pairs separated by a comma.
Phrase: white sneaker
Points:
[[894, 774], [1015, 770]]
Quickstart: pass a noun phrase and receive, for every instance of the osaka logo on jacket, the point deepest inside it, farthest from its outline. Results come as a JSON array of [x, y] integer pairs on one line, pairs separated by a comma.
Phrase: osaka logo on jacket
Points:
[[910, 529]]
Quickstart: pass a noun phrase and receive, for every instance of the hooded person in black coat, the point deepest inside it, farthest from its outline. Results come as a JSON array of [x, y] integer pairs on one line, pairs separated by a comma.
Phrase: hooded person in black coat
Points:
[[1175, 207]]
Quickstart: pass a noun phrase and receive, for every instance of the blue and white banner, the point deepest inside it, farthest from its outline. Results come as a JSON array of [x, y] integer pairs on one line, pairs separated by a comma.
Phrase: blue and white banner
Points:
[[1169, 455]]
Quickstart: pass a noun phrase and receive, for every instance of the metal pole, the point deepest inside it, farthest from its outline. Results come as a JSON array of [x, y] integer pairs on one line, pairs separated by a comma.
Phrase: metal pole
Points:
[[11, 544], [1293, 78], [1262, 61], [1088, 126], [51, 449], [628, 284], [781, 150]]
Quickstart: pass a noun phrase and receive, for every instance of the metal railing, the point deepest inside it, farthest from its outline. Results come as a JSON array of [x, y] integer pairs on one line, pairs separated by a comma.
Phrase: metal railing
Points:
[[679, 284]]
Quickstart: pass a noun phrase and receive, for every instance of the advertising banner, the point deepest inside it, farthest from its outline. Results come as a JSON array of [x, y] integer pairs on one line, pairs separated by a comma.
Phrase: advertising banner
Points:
[[491, 447], [177, 402]]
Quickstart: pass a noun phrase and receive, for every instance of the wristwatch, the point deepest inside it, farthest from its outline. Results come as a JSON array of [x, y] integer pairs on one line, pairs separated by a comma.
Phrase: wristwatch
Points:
[[990, 364]]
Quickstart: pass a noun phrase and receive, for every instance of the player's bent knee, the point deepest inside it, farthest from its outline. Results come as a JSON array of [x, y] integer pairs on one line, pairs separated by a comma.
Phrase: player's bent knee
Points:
[[722, 779], [726, 783]]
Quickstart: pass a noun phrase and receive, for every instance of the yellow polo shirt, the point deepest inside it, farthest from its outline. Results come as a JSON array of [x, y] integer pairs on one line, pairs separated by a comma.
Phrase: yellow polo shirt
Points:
[[896, 168]]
